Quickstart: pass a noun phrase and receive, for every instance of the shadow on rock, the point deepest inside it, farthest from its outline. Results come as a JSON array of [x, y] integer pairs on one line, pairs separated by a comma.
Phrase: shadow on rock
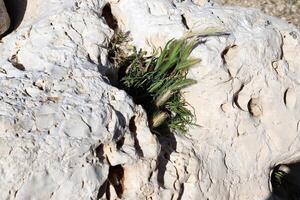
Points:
[[168, 146], [285, 181], [16, 10]]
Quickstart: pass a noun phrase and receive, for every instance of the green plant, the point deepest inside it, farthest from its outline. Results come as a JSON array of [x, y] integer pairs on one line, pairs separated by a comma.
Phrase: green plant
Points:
[[285, 183], [156, 82], [279, 177]]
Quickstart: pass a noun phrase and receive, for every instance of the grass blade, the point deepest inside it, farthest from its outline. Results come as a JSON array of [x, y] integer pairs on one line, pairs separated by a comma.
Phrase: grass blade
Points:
[[182, 84], [186, 64]]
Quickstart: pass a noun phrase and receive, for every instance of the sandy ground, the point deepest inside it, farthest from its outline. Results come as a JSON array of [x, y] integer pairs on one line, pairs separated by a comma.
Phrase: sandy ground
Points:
[[285, 9]]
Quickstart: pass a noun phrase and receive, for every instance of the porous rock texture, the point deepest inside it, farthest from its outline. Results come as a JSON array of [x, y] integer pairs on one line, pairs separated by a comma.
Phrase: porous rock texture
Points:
[[246, 100], [63, 126], [67, 133], [4, 18]]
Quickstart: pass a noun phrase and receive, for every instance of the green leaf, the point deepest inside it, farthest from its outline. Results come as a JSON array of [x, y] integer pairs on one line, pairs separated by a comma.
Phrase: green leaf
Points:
[[182, 84], [186, 50], [163, 54], [173, 57], [186, 64], [155, 86]]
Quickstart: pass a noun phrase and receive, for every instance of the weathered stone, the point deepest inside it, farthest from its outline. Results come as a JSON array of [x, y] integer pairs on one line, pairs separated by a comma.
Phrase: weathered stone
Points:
[[66, 133], [58, 112], [4, 18], [247, 111]]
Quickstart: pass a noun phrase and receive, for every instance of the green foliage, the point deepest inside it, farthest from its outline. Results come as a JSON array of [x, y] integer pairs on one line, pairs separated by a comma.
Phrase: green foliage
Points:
[[156, 82], [279, 177], [285, 184]]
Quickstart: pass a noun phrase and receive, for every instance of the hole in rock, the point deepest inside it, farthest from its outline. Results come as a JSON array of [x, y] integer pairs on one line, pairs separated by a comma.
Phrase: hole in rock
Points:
[[285, 181], [16, 10], [116, 179], [109, 18], [254, 107]]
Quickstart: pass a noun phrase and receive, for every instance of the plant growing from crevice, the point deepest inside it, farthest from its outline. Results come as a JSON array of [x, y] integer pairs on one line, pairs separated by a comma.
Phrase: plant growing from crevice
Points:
[[119, 48], [284, 184], [156, 82]]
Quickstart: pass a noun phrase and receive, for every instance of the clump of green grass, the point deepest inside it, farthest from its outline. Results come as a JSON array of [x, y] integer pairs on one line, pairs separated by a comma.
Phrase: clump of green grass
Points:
[[156, 82]]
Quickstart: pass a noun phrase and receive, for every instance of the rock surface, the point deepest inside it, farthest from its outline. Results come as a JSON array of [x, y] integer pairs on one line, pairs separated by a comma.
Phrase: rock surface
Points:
[[67, 133], [246, 100], [288, 10], [63, 127], [4, 18]]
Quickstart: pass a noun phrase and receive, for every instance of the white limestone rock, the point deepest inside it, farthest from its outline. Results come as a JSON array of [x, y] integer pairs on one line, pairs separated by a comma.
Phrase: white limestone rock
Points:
[[4, 18], [66, 133], [58, 111], [246, 98]]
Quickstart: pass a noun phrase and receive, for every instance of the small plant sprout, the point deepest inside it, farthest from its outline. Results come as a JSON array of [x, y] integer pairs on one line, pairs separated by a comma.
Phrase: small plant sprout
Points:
[[279, 177]]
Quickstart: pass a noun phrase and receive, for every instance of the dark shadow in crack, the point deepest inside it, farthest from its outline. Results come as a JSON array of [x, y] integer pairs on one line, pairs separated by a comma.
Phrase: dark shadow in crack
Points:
[[272, 197], [132, 128], [111, 73], [168, 144], [100, 154], [285, 181], [122, 123], [109, 18], [103, 190], [116, 178], [16, 10]]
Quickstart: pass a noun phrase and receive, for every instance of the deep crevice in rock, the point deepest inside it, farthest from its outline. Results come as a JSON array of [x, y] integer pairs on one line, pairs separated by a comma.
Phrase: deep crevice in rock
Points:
[[109, 18], [285, 181], [115, 52], [167, 140]]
